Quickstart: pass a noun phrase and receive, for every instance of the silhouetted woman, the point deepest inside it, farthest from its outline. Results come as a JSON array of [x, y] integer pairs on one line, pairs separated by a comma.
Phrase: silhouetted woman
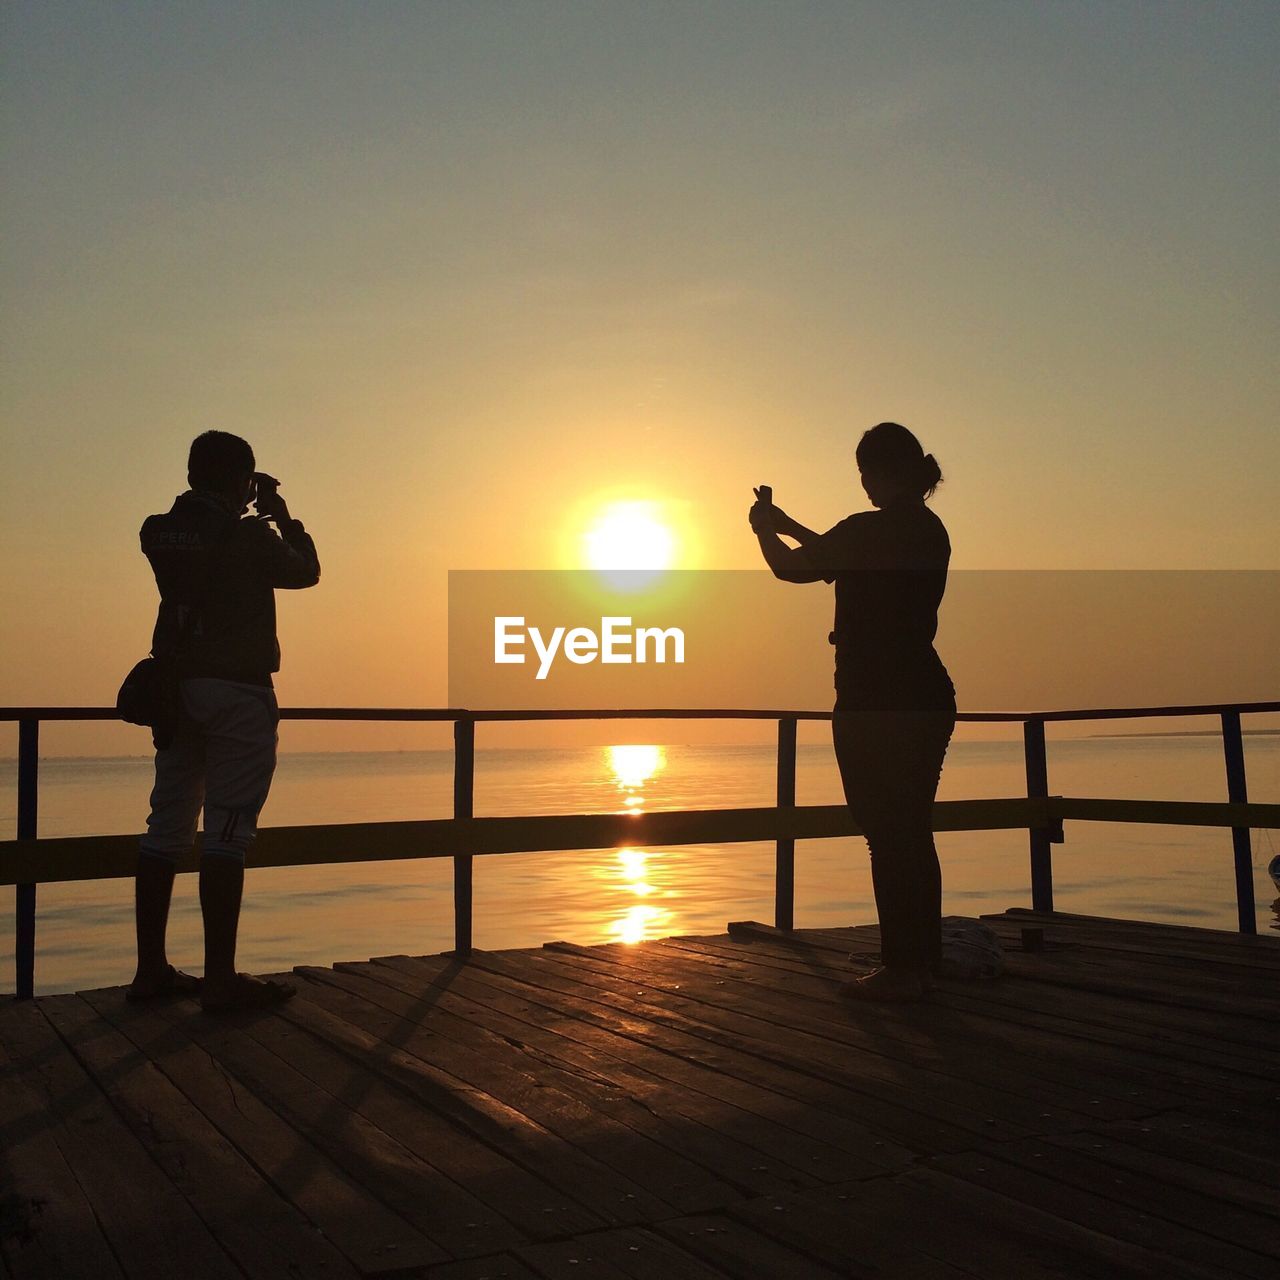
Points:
[[895, 704]]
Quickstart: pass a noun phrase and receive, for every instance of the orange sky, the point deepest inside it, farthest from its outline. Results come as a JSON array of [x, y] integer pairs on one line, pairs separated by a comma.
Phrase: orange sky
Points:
[[463, 275]]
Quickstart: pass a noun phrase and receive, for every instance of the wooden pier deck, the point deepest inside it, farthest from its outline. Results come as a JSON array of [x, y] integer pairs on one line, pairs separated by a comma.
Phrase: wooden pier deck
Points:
[[698, 1107]]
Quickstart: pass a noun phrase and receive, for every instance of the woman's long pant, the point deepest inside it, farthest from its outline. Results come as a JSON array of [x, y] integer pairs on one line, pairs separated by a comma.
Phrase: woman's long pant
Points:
[[890, 762]]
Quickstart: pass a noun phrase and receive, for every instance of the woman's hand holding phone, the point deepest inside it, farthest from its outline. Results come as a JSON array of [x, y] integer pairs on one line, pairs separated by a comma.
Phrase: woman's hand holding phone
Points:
[[763, 514]]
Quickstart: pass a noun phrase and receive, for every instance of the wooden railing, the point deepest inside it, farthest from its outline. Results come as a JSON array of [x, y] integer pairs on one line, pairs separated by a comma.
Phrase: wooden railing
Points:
[[29, 861]]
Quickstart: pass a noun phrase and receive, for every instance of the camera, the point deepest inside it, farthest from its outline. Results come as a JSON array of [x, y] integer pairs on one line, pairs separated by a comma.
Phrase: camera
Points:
[[264, 486]]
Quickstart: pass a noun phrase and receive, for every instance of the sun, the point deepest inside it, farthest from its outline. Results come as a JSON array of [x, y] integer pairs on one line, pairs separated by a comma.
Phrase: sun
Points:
[[629, 535]]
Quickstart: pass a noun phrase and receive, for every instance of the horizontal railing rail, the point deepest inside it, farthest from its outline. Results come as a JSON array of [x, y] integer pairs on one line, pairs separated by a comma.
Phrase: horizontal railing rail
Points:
[[112, 857], [29, 860], [452, 714], [58, 859]]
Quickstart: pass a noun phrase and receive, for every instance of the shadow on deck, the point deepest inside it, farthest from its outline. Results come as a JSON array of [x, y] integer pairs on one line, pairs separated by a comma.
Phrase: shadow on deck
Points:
[[698, 1107]]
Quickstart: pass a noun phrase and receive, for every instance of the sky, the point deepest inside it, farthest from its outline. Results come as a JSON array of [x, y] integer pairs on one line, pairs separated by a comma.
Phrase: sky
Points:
[[466, 274]]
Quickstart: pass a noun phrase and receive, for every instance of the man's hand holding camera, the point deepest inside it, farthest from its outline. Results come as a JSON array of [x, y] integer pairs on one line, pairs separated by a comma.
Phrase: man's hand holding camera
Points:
[[267, 500]]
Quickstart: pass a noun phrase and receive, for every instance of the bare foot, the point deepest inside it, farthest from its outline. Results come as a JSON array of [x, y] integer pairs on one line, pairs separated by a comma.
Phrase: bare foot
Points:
[[146, 982], [897, 986], [244, 992], [152, 984]]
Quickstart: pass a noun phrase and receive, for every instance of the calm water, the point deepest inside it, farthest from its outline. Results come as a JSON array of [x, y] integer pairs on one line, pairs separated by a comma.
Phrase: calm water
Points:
[[316, 915]]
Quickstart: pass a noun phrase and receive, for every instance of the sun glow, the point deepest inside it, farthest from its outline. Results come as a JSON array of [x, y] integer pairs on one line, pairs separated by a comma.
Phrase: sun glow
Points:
[[630, 535]]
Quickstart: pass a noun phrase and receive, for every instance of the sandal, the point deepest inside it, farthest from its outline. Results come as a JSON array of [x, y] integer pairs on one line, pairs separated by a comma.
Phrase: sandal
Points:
[[251, 993], [174, 983]]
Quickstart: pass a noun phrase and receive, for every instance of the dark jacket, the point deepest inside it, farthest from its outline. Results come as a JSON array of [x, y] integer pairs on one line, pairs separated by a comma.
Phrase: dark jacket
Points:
[[217, 574]]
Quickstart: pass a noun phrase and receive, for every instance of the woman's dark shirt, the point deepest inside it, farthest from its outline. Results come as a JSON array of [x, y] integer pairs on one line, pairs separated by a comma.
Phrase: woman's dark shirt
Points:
[[890, 571]]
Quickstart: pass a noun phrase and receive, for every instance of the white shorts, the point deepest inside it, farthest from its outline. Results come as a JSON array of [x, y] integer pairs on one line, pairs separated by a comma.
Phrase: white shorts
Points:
[[222, 761]]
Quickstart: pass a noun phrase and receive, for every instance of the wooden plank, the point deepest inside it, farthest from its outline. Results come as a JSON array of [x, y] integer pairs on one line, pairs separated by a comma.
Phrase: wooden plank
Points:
[[62, 858], [661, 1079], [631, 1252], [558, 1259], [662, 713], [1180, 968], [818, 1044], [669, 1176], [1230, 944], [934, 1038], [1225, 939], [596, 1024], [1240, 1002], [1049, 1047], [1150, 987], [609, 1194], [1158, 953], [744, 1253], [873, 1101], [1188, 984], [362, 1227], [273, 1240], [450, 1222], [651, 1112], [1200, 1140], [1120, 1066], [1235, 1129], [1179, 813], [1151, 940], [1175, 1173], [508, 1191], [882, 1228], [49, 860], [1080, 1192], [1109, 1008], [702, 1126], [47, 1224], [447, 1168], [497, 1267], [1118, 947], [930, 1035], [150, 1227], [689, 1064], [985, 1229]]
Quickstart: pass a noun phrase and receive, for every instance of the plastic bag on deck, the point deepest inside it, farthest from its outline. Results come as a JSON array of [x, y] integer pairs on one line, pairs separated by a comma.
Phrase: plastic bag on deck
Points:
[[970, 949]]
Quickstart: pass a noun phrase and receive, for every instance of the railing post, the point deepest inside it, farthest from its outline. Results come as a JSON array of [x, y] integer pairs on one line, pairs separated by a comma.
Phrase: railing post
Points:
[[784, 900], [464, 776], [1038, 789], [1238, 793], [25, 894]]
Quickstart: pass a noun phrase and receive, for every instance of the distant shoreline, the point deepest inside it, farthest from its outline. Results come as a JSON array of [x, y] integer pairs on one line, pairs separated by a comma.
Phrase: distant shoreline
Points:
[[1191, 733]]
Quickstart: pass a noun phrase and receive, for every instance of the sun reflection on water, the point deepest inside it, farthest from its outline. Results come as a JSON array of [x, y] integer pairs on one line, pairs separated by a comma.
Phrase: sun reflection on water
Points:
[[632, 766]]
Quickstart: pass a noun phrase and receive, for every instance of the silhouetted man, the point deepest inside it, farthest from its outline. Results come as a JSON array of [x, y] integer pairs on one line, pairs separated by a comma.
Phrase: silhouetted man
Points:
[[217, 570]]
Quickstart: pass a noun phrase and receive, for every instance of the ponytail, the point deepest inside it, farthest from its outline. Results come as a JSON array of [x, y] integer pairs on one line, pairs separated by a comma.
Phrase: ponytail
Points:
[[890, 448], [930, 475]]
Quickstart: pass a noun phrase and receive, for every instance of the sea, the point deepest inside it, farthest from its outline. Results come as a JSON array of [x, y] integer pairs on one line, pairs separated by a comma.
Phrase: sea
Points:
[[317, 915]]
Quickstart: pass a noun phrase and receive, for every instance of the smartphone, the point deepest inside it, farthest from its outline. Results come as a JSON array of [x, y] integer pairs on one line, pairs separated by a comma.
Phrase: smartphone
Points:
[[765, 493]]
